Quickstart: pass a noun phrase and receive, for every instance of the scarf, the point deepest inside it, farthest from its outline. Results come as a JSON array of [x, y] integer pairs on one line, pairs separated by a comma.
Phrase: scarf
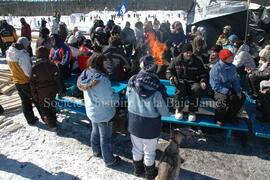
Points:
[[146, 84]]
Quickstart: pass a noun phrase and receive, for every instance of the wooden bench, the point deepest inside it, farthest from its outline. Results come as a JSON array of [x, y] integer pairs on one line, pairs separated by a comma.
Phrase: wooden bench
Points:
[[202, 120]]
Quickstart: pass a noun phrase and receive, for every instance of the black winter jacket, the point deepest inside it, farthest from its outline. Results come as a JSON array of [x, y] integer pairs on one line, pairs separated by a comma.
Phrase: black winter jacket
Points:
[[188, 70]]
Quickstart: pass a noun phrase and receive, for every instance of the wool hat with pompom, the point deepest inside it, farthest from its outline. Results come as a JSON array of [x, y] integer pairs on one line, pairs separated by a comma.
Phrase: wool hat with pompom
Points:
[[224, 54], [265, 53]]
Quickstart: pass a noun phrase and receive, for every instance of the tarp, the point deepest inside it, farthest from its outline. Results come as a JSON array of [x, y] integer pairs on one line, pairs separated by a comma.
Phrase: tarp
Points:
[[208, 9]]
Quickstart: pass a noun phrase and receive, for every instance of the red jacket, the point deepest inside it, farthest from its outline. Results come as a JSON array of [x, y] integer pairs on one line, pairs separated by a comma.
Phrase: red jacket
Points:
[[26, 31], [84, 54]]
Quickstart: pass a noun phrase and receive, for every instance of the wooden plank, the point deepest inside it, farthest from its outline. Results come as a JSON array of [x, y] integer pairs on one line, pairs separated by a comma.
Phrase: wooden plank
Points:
[[3, 79], [5, 74], [11, 128], [6, 123], [7, 88], [12, 109], [11, 100]]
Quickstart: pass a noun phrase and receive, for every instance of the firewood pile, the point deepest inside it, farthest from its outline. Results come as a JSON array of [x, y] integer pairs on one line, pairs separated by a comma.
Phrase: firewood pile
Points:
[[6, 84]]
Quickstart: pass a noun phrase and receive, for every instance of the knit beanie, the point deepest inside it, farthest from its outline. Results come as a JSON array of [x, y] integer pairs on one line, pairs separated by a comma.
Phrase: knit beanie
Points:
[[78, 34], [148, 63], [232, 37], [42, 52], [24, 41], [72, 40], [224, 54], [187, 47], [265, 52]]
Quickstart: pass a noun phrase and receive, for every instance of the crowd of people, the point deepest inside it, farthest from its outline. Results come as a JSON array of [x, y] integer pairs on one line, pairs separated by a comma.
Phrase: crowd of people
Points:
[[143, 56]]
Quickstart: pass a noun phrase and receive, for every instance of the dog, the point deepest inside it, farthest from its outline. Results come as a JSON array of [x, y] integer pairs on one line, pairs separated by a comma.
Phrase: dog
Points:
[[170, 160]]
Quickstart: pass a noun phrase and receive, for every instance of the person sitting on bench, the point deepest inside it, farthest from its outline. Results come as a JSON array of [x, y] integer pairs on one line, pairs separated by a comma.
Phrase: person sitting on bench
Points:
[[188, 75], [255, 76], [225, 82], [264, 102]]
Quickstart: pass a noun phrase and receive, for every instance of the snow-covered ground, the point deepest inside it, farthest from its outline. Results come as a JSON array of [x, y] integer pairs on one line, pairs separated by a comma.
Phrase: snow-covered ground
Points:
[[34, 152]]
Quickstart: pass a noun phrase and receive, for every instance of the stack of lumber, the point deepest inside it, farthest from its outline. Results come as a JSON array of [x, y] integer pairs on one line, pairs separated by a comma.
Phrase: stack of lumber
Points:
[[6, 84], [7, 125], [10, 103]]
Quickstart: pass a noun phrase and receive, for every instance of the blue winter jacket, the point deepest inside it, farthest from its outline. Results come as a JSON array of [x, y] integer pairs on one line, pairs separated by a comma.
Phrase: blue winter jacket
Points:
[[145, 112], [100, 99], [224, 77]]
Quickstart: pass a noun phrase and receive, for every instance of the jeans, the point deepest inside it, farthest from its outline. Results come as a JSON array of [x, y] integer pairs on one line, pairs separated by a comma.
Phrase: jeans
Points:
[[101, 141]]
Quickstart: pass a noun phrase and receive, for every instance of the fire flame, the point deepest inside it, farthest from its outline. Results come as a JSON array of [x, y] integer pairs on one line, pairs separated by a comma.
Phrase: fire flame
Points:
[[156, 48]]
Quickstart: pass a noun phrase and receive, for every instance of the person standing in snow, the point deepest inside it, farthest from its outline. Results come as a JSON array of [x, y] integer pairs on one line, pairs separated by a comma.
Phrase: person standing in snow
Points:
[[100, 100], [45, 82], [19, 63], [26, 32], [147, 103]]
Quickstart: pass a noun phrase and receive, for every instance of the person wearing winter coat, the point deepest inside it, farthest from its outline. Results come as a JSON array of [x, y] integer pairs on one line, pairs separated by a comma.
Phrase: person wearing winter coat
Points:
[[214, 58], [223, 38], [116, 63], [242, 57], [147, 103], [61, 55], [188, 75], [264, 102], [26, 32], [255, 76], [231, 46], [225, 83], [45, 82], [19, 63], [139, 33], [7, 36], [54, 27], [72, 44], [100, 100], [85, 52], [43, 26], [44, 39], [128, 38], [62, 30]]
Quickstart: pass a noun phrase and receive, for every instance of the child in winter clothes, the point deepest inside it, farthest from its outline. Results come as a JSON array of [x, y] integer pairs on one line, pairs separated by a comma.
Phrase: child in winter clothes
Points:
[[225, 82], [99, 104], [146, 96], [187, 73]]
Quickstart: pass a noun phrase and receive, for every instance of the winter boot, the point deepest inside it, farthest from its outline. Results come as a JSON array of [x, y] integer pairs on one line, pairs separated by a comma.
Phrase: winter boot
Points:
[[150, 172], [138, 168]]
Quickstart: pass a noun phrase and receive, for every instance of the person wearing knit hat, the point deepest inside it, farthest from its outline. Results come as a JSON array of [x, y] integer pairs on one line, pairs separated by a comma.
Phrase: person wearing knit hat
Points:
[[45, 82], [24, 41], [214, 58], [255, 76], [74, 47], [187, 73], [231, 45], [148, 64], [147, 103], [223, 38], [80, 38], [225, 83]]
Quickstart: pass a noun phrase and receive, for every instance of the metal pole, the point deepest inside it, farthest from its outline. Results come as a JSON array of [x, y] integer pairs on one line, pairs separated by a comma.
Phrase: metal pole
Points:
[[246, 33]]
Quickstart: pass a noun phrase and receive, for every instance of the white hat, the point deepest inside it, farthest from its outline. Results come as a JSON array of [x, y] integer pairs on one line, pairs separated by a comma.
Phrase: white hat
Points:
[[72, 40], [24, 41], [265, 53], [78, 34]]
